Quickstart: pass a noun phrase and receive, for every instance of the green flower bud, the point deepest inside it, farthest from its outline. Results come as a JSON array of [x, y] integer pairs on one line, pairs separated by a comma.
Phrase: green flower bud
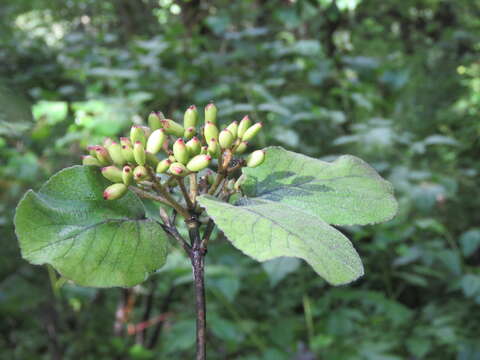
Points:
[[178, 169], [102, 155], [91, 150], [193, 146], [243, 126], [180, 151], [233, 128], [172, 128], [163, 166], [225, 139], [107, 142], [139, 153], [90, 160], [156, 140], [213, 147], [190, 118], [252, 131], [210, 131], [112, 173], [210, 177], [256, 158], [211, 113], [154, 121], [137, 134], [240, 149], [239, 182], [140, 173], [125, 141], [204, 150], [127, 153], [115, 191], [115, 152], [189, 132], [151, 159], [127, 175], [199, 162], [231, 184]]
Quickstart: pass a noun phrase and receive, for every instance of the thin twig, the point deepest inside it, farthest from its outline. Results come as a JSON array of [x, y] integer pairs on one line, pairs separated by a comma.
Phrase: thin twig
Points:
[[193, 187], [207, 233], [184, 192], [147, 195]]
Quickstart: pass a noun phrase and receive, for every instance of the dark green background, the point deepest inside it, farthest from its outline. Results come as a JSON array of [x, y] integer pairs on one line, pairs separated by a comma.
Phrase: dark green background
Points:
[[396, 83]]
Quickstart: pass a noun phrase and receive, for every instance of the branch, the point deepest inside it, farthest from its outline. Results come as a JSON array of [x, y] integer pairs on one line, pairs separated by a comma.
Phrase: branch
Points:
[[184, 192]]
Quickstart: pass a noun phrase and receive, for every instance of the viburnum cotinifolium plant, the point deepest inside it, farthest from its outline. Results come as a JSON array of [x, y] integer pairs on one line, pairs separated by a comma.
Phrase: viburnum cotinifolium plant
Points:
[[90, 222]]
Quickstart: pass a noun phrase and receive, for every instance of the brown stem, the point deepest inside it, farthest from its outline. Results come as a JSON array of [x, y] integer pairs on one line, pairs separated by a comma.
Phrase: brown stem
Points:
[[185, 192], [198, 263]]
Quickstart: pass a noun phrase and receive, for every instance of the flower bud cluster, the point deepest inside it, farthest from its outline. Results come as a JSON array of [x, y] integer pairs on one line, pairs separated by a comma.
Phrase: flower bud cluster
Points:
[[166, 147]]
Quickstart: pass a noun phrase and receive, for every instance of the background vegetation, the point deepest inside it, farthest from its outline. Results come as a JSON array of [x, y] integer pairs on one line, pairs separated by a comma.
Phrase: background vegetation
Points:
[[394, 82]]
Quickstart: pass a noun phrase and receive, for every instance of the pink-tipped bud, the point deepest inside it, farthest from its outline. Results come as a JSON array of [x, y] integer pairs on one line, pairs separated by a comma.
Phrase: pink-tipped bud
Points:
[[252, 131], [127, 175], [112, 173], [180, 151], [163, 166], [178, 169], [199, 163], [90, 160], [115, 191], [211, 113], [243, 126]]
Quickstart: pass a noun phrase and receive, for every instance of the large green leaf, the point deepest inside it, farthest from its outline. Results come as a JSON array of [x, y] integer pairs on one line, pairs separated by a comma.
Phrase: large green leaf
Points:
[[291, 200], [89, 240], [266, 230], [345, 192]]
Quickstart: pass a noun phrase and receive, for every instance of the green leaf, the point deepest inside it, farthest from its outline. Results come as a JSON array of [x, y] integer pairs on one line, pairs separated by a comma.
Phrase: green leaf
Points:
[[86, 239], [345, 192], [291, 201], [266, 230]]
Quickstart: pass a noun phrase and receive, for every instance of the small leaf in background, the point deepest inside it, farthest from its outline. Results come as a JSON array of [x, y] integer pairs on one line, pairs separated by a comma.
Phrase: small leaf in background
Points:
[[86, 239], [470, 241]]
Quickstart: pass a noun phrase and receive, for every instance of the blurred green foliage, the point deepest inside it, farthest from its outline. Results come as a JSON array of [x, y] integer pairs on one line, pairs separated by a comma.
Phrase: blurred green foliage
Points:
[[394, 82]]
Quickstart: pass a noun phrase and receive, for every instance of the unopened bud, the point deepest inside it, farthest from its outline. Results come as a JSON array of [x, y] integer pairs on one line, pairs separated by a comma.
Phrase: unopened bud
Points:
[[139, 153], [90, 160], [210, 131], [239, 182], [112, 173], [199, 162], [204, 150], [115, 191], [231, 184], [172, 128], [240, 149], [151, 159], [154, 121], [178, 169], [211, 113], [243, 126], [180, 151], [127, 175], [256, 158], [233, 128], [107, 142], [125, 141], [193, 146], [102, 155], [225, 139], [156, 140], [91, 150], [137, 134], [213, 148], [210, 177], [140, 173], [252, 131], [163, 166], [190, 118], [127, 153], [115, 152], [189, 132]]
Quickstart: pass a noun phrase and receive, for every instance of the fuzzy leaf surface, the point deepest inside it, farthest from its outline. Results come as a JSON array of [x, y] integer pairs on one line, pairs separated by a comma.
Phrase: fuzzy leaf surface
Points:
[[86, 239], [346, 191]]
